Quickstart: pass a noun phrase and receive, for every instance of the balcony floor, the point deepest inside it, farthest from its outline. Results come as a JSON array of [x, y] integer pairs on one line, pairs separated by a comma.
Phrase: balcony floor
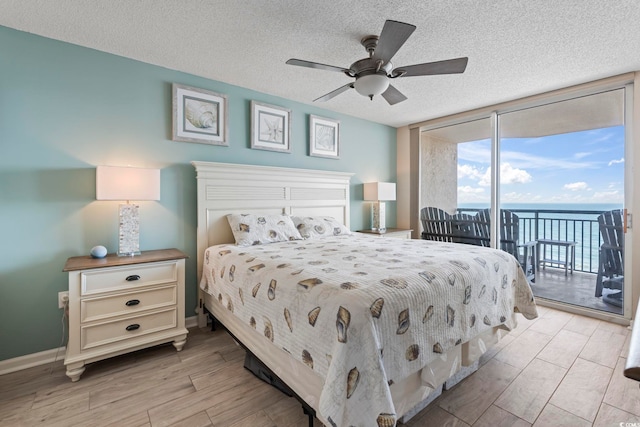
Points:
[[577, 289]]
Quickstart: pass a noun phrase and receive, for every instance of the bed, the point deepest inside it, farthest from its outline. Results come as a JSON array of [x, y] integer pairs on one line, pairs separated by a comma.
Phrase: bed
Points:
[[365, 331]]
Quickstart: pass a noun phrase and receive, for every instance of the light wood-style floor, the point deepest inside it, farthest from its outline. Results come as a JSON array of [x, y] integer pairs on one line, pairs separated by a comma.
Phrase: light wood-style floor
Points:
[[558, 370]]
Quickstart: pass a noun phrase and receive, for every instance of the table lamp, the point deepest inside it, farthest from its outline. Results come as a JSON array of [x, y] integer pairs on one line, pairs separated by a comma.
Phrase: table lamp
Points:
[[127, 184], [378, 192]]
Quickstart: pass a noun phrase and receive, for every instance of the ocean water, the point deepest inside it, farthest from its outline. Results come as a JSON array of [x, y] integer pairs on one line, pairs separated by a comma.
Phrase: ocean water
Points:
[[601, 207], [561, 221]]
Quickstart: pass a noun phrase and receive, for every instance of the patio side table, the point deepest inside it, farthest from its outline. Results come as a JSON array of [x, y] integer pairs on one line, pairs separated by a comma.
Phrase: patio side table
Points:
[[569, 254]]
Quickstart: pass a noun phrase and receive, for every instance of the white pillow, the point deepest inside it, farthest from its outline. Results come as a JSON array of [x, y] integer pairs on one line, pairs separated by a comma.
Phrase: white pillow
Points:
[[319, 226], [250, 229]]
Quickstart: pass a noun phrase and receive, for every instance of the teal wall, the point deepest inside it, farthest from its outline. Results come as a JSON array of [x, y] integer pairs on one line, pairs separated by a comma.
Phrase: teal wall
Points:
[[65, 109]]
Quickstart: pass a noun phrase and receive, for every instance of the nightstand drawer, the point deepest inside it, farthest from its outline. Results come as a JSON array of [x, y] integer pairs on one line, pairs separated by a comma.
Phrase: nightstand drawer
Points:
[[119, 278], [126, 329], [131, 302]]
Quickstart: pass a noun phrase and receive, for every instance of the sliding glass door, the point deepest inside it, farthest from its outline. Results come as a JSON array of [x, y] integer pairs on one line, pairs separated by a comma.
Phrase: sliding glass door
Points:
[[562, 175], [547, 183]]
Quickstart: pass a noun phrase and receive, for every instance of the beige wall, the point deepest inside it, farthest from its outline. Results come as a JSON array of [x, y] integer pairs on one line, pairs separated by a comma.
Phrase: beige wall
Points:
[[439, 166], [403, 168], [409, 183], [437, 187]]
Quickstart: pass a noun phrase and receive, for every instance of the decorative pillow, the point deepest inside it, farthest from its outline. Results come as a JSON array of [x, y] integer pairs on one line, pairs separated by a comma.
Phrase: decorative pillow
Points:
[[319, 226], [251, 229]]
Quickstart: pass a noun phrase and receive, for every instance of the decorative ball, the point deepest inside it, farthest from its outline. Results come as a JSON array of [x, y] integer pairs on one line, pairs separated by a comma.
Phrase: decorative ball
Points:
[[98, 252]]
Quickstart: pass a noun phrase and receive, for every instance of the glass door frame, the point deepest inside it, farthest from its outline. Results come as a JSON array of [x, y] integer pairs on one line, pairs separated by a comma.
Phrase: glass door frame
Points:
[[629, 153]]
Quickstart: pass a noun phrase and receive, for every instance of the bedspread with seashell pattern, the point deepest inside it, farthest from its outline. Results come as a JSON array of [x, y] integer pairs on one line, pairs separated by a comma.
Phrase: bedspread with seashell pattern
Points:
[[364, 312]]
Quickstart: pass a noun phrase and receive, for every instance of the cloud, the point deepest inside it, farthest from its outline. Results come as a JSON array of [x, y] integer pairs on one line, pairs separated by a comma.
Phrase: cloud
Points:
[[477, 152], [485, 181], [466, 189], [508, 175], [600, 135], [480, 152], [511, 175], [608, 197], [614, 162], [469, 194], [531, 161], [576, 186], [514, 197], [468, 171]]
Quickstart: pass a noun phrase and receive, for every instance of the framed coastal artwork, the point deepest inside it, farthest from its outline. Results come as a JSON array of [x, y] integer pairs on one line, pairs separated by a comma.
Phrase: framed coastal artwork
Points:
[[270, 127], [324, 137], [199, 116]]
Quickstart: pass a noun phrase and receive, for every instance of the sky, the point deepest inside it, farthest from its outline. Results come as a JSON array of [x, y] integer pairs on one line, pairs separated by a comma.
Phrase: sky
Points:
[[579, 167]]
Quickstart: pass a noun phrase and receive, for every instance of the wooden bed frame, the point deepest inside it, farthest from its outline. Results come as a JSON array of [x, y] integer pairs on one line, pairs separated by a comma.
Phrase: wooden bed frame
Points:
[[235, 188]]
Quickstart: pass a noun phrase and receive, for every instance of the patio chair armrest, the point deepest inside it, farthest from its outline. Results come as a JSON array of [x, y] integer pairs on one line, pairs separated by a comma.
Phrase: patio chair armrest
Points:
[[611, 247], [632, 368], [531, 244]]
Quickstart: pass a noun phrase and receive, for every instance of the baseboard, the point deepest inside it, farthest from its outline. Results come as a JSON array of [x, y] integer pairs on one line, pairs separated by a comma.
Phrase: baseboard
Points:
[[48, 356], [31, 360], [191, 322]]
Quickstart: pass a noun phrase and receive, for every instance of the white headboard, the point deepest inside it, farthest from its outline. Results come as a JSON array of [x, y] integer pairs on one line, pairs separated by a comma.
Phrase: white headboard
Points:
[[225, 188]]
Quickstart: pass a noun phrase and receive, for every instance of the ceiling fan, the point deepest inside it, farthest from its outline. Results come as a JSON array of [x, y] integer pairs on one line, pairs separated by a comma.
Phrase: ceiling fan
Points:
[[372, 74]]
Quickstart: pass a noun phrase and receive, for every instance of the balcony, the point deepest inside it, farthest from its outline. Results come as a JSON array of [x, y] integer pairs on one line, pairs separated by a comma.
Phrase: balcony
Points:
[[575, 289], [580, 226]]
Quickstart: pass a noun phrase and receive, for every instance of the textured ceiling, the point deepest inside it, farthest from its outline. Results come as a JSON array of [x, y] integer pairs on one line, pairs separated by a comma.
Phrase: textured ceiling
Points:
[[515, 48]]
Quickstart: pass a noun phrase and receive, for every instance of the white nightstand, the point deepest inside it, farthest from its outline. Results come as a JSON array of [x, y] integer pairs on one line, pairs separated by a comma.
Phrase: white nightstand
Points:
[[121, 304], [398, 233]]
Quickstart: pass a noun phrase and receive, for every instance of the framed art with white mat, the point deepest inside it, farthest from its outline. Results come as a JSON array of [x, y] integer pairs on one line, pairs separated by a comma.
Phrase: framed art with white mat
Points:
[[270, 127], [199, 116], [324, 137]]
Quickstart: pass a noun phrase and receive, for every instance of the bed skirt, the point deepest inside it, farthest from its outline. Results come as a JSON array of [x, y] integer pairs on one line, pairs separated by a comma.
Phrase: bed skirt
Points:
[[410, 395]]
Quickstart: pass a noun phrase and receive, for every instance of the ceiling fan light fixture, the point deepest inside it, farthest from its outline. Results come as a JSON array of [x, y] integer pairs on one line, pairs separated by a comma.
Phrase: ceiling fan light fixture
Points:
[[371, 84]]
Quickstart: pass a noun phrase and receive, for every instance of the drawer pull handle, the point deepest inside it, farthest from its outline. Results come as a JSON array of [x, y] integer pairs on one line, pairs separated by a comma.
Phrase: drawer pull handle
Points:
[[133, 327], [132, 302], [132, 278]]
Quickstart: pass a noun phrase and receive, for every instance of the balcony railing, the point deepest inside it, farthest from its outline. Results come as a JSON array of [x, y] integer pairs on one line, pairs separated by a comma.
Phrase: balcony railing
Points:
[[570, 225]]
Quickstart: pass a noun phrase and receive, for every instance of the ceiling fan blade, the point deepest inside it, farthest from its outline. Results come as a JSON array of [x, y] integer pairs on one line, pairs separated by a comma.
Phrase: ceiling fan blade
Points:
[[449, 66], [317, 65], [334, 93], [393, 95], [393, 36]]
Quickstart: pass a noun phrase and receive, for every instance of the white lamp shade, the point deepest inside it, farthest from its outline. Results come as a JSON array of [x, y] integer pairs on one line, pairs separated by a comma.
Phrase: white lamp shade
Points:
[[124, 183], [371, 84], [374, 191]]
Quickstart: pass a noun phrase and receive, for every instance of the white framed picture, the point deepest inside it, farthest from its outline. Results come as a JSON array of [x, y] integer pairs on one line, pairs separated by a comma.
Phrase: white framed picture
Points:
[[199, 116], [324, 137], [270, 127]]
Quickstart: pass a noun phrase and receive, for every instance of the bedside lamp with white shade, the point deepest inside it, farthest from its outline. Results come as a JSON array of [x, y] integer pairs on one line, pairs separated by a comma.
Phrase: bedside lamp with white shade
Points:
[[379, 192], [127, 184]]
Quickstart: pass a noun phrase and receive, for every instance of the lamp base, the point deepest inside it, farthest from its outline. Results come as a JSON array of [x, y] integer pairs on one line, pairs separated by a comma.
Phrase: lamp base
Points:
[[129, 231], [378, 217]]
